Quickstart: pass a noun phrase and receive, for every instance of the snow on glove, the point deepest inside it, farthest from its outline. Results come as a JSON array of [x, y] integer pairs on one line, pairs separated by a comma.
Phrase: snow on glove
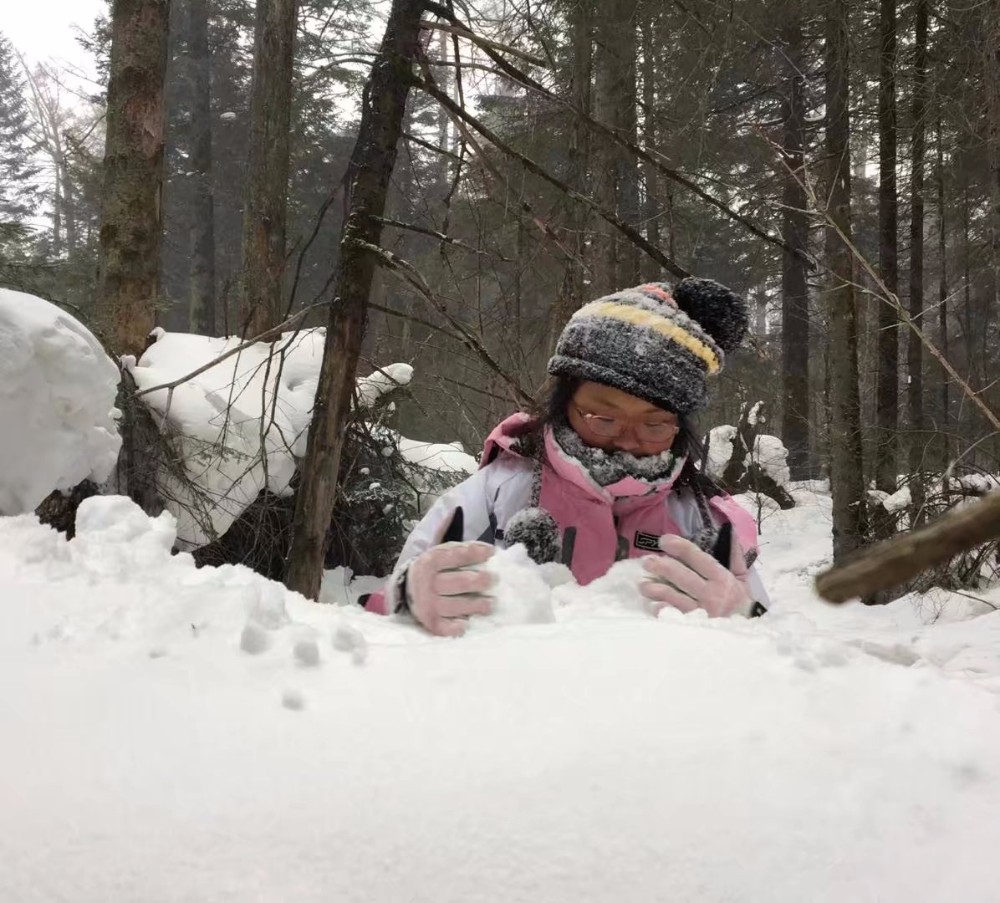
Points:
[[443, 587], [687, 578]]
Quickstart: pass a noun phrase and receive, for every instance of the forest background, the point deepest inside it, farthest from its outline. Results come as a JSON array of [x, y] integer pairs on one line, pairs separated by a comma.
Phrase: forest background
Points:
[[837, 163]]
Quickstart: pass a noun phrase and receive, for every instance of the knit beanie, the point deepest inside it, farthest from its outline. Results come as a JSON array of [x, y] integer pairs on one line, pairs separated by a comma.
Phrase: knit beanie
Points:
[[654, 342]]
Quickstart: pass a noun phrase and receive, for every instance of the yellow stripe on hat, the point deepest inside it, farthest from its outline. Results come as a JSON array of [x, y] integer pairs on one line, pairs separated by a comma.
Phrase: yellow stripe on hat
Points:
[[647, 319]]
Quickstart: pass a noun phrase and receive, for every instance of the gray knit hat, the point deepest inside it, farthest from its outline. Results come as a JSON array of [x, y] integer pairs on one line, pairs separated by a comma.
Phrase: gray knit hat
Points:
[[654, 342]]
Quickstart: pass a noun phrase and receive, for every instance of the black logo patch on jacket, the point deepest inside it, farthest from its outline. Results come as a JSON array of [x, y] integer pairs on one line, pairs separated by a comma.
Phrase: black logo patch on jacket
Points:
[[648, 541]]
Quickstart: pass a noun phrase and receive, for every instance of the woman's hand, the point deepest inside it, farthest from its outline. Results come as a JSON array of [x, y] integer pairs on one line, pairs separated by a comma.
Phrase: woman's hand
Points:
[[686, 578], [443, 586]]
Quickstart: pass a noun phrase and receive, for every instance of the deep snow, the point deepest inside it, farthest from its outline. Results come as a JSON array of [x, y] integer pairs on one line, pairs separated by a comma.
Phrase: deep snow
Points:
[[178, 734]]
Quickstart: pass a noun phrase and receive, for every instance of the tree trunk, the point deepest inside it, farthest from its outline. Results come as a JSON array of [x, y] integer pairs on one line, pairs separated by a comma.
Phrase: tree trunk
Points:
[[366, 185], [627, 168], [991, 81], [129, 257], [887, 385], [915, 348], [202, 288], [616, 263], [945, 426], [650, 269], [265, 208], [846, 480], [578, 154], [794, 285]]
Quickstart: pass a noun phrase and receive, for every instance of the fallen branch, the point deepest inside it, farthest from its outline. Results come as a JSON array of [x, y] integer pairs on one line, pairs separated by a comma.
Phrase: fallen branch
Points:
[[903, 557]]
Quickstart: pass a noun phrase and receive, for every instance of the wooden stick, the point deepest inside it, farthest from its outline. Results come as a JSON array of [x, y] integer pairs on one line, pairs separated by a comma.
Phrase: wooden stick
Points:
[[903, 557]]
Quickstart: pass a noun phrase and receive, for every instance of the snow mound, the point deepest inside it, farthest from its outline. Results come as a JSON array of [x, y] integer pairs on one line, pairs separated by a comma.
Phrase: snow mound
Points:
[[720, 450], [772, 456], [237, 427], [769, 453], [241, 425], [819, 753], [444, 457], [57, 403], [372, 388]]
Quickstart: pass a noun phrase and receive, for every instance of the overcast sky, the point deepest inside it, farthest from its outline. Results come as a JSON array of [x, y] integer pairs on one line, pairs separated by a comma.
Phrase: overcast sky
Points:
[[45, 29]]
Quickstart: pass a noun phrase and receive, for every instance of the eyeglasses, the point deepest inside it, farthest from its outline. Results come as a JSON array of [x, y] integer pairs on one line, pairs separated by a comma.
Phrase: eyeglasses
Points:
[[613, 428]]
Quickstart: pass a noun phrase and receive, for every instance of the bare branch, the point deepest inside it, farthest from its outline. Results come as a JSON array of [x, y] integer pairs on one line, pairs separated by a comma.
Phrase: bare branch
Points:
[[462, 31], [646, 155], [440, 236], [632, 234], [406, 271]]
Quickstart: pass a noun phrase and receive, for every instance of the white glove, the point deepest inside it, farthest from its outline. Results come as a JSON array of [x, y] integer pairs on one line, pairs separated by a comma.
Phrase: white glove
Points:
[[443, 588], [686, 578]]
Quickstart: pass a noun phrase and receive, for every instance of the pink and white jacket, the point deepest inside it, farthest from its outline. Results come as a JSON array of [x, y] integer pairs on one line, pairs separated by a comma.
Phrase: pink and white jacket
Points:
[[599, 524]]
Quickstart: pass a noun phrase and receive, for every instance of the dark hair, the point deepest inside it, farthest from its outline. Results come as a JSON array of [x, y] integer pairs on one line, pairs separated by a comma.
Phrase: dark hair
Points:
[[551, 405]]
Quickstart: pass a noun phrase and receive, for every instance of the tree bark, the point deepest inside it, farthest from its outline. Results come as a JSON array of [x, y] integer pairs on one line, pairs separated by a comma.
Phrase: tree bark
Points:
[[915, 348], [265, 208], [887, 381], [201, 309], [129, 256], [846, 480], [366, 187], [794, 286]]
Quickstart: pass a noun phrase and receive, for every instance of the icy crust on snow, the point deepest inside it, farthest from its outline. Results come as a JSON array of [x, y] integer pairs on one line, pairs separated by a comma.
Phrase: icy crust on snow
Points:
[[239, 426], [57, 403], [175, 734]]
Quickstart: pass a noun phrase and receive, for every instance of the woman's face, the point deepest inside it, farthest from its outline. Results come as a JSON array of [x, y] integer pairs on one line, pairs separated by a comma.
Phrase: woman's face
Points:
[[616, 421]]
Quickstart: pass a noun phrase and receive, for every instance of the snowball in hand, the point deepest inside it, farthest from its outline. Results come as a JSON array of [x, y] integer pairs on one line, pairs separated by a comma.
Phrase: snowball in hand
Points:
[[520, 592]]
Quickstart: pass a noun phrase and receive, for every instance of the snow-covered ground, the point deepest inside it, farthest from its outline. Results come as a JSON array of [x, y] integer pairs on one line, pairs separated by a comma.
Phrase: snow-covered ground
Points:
[[173, 734]]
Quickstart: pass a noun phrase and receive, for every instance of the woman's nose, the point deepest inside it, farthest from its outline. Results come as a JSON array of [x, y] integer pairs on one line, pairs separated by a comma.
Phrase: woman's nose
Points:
[[627, 442]]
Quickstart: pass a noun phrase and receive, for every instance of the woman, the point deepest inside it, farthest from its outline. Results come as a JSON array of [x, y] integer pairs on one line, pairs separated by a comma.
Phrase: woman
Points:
[[604, 473]]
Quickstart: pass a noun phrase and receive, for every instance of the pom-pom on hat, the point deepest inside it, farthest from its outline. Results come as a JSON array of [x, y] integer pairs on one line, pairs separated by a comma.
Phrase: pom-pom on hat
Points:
[[654, 342]]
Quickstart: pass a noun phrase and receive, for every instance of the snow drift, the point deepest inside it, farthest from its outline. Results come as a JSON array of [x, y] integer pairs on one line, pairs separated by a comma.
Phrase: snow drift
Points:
[[57, 403]]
